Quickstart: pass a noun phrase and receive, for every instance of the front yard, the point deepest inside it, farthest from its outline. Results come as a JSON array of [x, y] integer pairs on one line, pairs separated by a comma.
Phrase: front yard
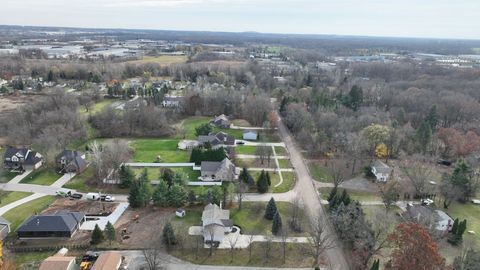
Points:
[[6, 176], [7, 197], [18, 214], [80, 181], [357, 195], [245, 150], [43, 176], [319, 172]]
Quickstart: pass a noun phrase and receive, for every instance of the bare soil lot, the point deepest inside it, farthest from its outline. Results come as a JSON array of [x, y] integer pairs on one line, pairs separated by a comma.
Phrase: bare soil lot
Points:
[[88, 207]]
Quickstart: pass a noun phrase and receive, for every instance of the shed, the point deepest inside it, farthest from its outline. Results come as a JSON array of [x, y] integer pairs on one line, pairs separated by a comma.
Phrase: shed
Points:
[[250, 135]]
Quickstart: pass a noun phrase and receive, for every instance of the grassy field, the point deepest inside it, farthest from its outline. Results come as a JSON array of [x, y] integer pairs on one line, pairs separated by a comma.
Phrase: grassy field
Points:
[[295, 257], [281, 151], [147, 150], [288, 183], [318, 172], [18, 214], [31, 260], [251, 221], [79, 182], [162, 59], [44, 176], [254, 163], [6, 176], [9, 197], [354, 194], [284, 163], [97, 107], [154, 173], [471, 213], [245, 150]]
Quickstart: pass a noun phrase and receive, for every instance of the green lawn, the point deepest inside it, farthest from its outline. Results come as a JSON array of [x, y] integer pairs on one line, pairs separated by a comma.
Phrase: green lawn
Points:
[[288, 183], [193, 217], [79, 182], [6, 176], [471, 213], [147, 150], [97, 107], [251, 221], [284, 163], [354, 194], [318, 172], [281, 151], [154, 173], [189, 125], [245, 150], [9, 197], [254, 163], [44, 176], [18, 214]]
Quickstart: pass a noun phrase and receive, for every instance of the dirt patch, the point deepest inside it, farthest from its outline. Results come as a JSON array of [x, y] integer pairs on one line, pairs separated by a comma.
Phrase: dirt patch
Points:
[[138, 228], [241, 123], [88, 207]]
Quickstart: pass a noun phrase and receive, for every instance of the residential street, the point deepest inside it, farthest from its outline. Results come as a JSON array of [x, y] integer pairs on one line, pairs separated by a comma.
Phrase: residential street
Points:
[[305, 189]]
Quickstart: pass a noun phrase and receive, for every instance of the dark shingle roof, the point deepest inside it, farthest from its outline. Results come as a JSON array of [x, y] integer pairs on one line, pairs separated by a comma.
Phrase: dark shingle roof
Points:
[[62, 221]]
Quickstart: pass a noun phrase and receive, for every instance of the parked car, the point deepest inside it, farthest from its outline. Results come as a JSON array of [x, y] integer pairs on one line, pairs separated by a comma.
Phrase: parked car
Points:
[[444, 162], [107, 198], [426, 202], [64, 192], [77, 196], [240, 142]]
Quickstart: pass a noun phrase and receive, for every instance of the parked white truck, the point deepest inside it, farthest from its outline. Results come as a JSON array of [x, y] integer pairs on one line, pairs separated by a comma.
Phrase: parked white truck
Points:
[[93, 196]]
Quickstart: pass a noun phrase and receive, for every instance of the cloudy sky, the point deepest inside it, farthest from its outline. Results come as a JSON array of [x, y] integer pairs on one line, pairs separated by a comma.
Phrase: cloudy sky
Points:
[[405, 18]]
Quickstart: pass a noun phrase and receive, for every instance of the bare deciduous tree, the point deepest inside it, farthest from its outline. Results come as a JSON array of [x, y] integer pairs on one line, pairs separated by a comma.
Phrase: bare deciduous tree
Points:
[[240, 189], [319, 240], [232, 240], [418, 175], [390, 194]]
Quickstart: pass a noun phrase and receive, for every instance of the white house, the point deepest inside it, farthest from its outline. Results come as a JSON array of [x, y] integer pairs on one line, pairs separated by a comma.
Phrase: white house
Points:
[[250, 135], [381, 170], [215, 223]]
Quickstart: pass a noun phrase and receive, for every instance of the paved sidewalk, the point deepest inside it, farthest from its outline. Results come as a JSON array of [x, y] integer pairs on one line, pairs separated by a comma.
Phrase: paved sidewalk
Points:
[[20, 177], [14, 204]]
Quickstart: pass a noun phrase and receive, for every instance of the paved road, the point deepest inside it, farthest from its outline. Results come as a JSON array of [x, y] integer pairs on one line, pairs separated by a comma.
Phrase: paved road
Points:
[[279, 197], [306, 190]]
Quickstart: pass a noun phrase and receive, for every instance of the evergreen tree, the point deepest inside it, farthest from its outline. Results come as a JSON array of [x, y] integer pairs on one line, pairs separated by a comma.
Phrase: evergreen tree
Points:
[[245, 177], [192, 198], [126, 176], [269, 181], [203, 129], [177, 196], [169, 235], [432, 117], [160, 194], [167, 176], [97, 235], [276, 224], [423, 136], [355, 97], [375, 265], [271, 209], [262, 183], [110, 232], [140, 194], [454, 227]]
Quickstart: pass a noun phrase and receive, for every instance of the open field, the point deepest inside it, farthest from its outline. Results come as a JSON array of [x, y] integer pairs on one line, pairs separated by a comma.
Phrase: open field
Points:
[[251, 221], [18, 214], [7, 197], [162, 59], [147, 150], [43, 176], [97, 107]]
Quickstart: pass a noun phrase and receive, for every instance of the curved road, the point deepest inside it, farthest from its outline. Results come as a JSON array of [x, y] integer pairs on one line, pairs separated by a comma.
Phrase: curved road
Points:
[[306, 190]]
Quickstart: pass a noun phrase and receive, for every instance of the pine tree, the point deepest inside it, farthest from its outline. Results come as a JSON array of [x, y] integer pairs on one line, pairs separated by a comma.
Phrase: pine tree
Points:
[[160, 195], [97, 235], [432, 117], [276, 224], [169, 235], [192, 198], [246, 177], [455, 226], [269, 182], [167, 176], [110, 232], [271, 209], [423, 136], [140, 195], [177, 196], [126, 176], [375, 265], [262, 183]]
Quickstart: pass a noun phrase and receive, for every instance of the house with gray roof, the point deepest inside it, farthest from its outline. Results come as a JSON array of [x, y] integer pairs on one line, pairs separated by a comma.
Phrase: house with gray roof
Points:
[[381, 170], [60, 224], [221, 121], [216, 140], [223, 170], [436, 219], [21, 159], [70, 161], [215, 223]]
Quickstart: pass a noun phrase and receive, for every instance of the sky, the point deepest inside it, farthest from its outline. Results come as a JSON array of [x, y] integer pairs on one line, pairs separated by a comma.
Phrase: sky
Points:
[[392, 18]]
